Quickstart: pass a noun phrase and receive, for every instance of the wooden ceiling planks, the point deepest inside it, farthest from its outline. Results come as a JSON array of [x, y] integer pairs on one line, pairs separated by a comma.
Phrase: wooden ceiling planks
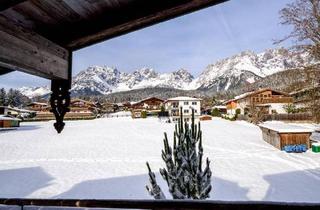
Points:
[[5, 4], [49, 30], [75, 24]]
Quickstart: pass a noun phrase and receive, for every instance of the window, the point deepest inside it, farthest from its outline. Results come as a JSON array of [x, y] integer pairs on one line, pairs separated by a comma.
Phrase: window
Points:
[[194, 103], [195, 111], [186, 111], [186, 103]]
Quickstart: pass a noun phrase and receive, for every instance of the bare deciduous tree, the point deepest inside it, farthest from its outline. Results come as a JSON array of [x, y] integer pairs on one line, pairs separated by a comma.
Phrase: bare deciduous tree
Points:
[[304, 16]]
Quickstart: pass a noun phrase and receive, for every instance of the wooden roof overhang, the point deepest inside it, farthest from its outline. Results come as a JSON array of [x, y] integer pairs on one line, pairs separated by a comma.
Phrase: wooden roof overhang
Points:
[[39, 36]]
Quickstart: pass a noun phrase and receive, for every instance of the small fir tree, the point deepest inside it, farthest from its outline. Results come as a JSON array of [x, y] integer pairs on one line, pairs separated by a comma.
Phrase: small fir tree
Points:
[[185, 177], [3, 97]]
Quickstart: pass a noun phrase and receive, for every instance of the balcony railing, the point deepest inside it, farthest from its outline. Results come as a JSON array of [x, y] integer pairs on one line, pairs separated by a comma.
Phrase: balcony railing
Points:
[[155, 204]]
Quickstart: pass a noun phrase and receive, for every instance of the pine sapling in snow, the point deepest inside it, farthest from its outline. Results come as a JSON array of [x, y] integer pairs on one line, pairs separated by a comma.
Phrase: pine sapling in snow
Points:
[[184, 175]]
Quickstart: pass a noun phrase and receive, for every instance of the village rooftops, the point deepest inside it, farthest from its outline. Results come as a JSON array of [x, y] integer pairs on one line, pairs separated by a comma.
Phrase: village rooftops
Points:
[[183, 98]]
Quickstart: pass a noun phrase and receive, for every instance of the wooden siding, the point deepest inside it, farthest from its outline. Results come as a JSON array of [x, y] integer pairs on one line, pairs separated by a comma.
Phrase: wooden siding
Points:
[[272, 137], [294, 138], [78, 23], [21, 49]]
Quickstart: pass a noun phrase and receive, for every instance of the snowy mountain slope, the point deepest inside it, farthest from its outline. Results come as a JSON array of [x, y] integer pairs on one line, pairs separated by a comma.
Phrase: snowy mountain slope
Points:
[[106, 80], [247, 67], [32, 92], [230, 73]]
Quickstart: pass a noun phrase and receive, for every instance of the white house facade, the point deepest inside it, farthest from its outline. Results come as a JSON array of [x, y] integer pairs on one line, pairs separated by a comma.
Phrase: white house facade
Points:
[[173, 105]]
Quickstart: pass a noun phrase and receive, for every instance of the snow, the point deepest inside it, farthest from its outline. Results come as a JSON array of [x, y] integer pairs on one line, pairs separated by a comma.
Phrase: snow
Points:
[[32, 92], [251, 80], [105, 158], [183, 98], [120, 114], [282, 127], [2, 117]]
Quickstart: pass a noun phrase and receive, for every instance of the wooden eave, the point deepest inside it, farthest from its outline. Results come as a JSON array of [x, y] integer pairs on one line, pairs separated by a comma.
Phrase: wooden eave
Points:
[[39, 36], [74, 24]]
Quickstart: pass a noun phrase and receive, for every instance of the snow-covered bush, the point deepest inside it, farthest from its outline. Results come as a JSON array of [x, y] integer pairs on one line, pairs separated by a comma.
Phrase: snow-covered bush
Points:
[[231, 117], [185, 177]]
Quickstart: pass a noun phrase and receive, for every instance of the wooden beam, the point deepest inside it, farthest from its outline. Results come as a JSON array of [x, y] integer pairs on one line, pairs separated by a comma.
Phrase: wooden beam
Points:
[[161, 204], [23, 50], [5, 70], [6, 4]]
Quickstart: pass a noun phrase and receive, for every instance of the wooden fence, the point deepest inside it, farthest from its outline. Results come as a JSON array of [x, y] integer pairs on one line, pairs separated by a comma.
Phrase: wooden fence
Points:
[[37, 204], [288, 117], [281, 117]]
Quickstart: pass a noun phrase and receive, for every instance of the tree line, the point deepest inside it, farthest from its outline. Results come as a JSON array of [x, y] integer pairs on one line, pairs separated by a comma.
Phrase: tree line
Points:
[[13, 98]]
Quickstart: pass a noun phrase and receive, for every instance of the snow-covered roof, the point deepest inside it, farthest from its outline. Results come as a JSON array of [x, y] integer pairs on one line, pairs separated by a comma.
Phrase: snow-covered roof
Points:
[[282, 127], [145, 99], [38, 103], [17, 109], [220, 107], [2, 117], [244, 95], [184, 98]]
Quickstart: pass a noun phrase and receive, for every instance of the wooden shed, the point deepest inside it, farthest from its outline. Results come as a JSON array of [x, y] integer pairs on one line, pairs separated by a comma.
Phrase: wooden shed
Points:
[[281, 134], [9, 122]]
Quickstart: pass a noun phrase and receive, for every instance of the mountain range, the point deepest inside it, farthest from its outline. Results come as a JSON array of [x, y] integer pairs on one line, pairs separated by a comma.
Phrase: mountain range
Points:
[[226, 74]]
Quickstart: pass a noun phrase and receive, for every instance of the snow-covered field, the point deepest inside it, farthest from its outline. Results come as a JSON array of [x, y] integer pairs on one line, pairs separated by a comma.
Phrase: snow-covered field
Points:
[[105, 158]]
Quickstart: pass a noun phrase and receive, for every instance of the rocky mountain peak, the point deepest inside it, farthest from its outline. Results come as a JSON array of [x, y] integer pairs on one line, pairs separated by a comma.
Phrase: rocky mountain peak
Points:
[[226, 74]]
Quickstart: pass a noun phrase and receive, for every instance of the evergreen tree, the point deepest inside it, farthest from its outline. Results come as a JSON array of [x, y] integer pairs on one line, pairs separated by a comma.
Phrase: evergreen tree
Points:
[[184, 174], [3, 97], [11, 97]]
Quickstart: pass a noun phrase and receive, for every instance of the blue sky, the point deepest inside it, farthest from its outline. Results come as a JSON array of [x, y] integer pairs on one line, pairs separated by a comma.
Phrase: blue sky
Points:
[[192, 41]]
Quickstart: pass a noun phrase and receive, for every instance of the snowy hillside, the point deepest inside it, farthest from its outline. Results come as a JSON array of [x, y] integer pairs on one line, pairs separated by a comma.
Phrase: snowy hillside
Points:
[[227, 74]]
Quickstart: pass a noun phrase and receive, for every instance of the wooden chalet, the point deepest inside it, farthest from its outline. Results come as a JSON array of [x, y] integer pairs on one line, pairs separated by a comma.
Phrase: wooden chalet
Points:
[[270, 101], [151, 103], [79, 109], [38, 106], [306, 97]]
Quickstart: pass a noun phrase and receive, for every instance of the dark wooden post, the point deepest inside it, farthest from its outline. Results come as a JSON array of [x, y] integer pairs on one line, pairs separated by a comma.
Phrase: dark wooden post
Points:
[[60, 97]]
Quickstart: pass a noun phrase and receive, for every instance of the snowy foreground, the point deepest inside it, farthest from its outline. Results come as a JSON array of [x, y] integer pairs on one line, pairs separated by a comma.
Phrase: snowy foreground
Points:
[[105, 158]]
